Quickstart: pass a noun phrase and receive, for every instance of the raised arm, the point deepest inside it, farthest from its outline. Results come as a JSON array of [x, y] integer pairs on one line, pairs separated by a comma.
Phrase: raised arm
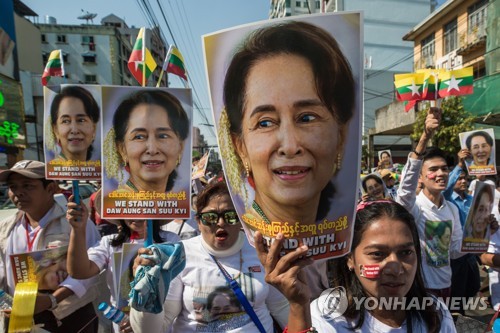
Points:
[[455, 173], [409, 179], [79, 264]]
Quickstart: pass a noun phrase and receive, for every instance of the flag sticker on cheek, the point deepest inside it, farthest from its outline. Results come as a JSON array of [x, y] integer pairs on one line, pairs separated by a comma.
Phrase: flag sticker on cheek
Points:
[[431, 176], [369, 271]]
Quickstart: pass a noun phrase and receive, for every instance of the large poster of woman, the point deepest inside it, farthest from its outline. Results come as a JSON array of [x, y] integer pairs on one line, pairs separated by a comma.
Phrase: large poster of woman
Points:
[[146, 152], [72, 140], [286, 102]]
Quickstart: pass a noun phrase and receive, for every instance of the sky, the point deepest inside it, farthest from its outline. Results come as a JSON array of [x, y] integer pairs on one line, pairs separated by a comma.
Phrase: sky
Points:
[[188, 21]]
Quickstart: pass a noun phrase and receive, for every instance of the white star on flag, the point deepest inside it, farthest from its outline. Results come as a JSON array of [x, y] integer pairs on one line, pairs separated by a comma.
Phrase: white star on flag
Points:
[[453, 83], [137, 63], [414, 88]]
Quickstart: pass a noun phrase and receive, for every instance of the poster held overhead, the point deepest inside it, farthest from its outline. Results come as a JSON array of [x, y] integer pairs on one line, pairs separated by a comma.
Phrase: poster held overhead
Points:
[[146, 153], [481, 146]]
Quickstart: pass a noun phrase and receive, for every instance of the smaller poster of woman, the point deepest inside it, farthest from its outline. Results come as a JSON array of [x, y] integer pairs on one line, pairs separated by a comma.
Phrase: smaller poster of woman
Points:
[[72, 140], [477, 226], [481, 145], [385, 159], [146, 152]]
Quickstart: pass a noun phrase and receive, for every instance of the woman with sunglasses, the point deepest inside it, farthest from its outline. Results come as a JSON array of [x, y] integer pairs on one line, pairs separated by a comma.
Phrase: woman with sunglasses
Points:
[[194, 302]]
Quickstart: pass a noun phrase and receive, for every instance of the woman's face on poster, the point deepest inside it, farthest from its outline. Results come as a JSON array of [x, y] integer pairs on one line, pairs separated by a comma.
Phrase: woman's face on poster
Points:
[[481, 216], [150, 146], [385, 158], [289, 137], [74, 129], [480, 150], [53, 276]]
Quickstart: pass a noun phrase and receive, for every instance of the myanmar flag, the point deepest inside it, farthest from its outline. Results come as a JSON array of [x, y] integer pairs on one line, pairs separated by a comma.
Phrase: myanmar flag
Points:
[[457, 82], [136, 61], [174, 63], [54, 67], [409, 86]]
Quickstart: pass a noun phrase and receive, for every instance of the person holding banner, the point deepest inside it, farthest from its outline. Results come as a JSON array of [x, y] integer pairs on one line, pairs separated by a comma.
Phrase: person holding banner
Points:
[[194, 302], [40, 223], [74, 114], [147, 140]]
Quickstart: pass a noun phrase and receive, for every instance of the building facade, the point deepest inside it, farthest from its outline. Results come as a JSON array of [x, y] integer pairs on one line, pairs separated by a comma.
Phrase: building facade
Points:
[[460, 33]]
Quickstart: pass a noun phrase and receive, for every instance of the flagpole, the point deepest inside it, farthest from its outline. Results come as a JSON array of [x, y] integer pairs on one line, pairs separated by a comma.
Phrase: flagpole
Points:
[[164, 67], [144, 58]]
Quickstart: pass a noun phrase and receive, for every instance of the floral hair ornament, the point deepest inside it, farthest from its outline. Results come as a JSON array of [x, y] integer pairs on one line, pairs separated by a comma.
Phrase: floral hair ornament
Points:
[[363, 204]]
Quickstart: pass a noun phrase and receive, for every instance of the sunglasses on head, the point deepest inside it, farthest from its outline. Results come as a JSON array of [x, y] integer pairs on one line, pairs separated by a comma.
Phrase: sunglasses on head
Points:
[[211, 218]]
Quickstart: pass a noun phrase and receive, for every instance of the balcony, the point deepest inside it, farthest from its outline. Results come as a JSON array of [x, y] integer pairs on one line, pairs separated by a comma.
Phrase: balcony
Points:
[[473, 41], [425, 62]]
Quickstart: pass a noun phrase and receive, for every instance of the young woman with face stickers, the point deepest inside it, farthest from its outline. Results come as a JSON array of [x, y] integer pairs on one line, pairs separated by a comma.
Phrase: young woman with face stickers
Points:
[[385, 241]]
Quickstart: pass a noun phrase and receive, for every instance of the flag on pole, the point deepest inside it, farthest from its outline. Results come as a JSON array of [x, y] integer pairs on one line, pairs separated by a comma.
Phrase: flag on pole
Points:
[[457, 82], [54, 67], [174, 63], [409, 86], [141, 63]]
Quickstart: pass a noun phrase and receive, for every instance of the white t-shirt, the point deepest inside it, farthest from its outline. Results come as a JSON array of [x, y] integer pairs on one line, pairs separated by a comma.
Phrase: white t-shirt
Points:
[[102, 252], [439, 228], [207, 302], [371, 324]]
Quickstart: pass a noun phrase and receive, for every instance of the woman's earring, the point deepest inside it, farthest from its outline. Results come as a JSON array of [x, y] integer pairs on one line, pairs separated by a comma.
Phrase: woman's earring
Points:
[[351, 269], [338, 164], [126, 166], [179, 160], [247, 170]]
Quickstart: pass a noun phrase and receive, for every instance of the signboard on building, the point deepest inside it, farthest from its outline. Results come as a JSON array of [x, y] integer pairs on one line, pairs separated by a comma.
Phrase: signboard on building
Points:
[[450, 61], [12, 127]]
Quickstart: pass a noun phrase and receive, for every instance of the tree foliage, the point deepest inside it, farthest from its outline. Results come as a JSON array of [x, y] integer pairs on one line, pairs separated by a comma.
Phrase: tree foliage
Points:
[[455, 119]]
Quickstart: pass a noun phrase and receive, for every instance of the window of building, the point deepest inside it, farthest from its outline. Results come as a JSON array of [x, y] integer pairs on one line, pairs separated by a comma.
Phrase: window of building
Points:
[[65, 58], [428, 51], [89, 57], [298, 4], [90, 79], [87, 39], [318, 5], [477, 18], [44, 38], [45, 58], [450, 36], [61, 38]]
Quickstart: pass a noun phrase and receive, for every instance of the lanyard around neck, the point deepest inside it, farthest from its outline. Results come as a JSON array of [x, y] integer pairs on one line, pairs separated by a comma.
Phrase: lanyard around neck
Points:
[[29, 239]]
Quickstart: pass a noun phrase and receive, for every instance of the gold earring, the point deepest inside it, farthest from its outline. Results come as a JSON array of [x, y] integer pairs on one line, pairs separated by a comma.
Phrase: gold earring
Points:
[[336, 166], [247, 169], [179, 160]]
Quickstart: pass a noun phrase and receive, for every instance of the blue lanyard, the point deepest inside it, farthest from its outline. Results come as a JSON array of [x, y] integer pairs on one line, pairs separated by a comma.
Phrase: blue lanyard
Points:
[[241, 297]]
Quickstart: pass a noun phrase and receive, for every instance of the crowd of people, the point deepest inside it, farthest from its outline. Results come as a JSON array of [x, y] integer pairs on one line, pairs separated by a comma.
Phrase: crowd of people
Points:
[[411, 238]]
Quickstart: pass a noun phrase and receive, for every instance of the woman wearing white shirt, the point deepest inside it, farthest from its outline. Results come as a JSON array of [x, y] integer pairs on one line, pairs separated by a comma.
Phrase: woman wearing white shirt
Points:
[[198, 299], [385, 240]]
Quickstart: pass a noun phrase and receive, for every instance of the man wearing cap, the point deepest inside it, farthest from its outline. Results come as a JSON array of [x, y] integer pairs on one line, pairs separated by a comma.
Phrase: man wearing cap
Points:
[[40, 223]]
